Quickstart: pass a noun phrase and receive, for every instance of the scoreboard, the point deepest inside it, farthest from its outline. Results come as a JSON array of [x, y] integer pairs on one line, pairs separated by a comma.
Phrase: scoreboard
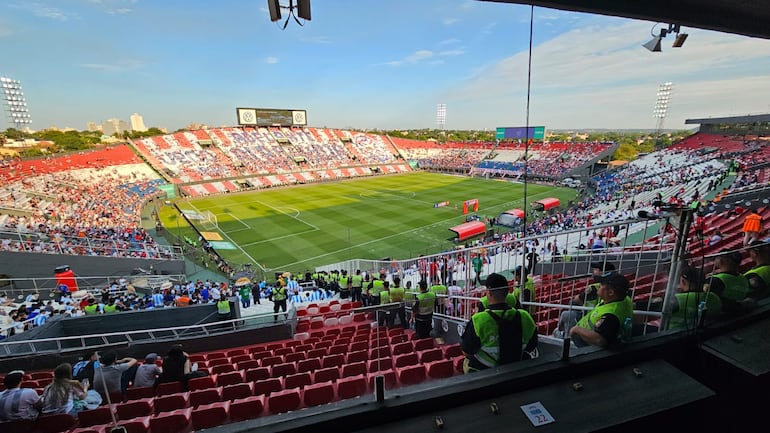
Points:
[[270, 116], [533, 132]]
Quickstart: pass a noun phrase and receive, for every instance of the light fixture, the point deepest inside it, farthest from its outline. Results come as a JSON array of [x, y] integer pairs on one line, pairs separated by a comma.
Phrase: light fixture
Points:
[[302, 8], [679, 41], [654, 44]]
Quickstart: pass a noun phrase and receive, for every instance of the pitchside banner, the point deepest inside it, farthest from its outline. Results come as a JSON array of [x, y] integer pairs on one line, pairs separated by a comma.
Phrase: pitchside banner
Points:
[[521, 133], [441, 204]]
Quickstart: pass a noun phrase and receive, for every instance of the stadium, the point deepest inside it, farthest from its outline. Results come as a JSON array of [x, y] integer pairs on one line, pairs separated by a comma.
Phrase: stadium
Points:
[[152, 223]]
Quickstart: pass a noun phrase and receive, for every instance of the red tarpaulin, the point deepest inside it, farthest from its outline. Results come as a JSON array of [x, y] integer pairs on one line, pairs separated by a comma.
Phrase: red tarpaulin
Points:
[[516, 212], [469, 230], [546, 203]]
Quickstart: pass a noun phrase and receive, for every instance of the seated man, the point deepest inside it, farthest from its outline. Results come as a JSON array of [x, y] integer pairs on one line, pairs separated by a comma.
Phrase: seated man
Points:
[[497, 281], [498, 335], [603, 325], [685, 311], [18, 403], [113, 375], [587, 298], [759, 275], [729, 284]]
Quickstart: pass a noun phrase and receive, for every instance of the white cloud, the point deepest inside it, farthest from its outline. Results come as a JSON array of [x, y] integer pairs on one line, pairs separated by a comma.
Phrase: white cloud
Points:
[[120, 66], [449, 21], [44, 11], [423, 55], [115, 7], [449, 41], [602, 77], [271, 60]]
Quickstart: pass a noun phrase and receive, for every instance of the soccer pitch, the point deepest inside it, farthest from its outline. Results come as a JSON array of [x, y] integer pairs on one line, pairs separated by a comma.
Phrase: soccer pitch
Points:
[[300, 227]]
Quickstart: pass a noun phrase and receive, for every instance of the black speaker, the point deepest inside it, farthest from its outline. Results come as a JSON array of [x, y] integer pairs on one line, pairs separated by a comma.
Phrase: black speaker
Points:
[[303, 9], [275, 9]]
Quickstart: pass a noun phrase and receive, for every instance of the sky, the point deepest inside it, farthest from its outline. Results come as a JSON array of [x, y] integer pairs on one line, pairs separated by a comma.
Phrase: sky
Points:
[[367, 64]]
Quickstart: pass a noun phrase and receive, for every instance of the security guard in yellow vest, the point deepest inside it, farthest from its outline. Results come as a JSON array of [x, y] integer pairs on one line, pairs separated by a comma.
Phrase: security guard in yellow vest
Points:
[[397, 294], [525, 288], [603, 325], [344, 283], [759, 275], [497, 281], [498, 335], [278, 296], [223, 308], [92, 307], [587, 298], [440, 291], [422, 311], [729, 283], [356, 286]]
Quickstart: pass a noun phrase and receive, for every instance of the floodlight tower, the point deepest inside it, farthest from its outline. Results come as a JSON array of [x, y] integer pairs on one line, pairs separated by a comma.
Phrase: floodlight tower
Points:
[[441, 116], [661, 109], [16, 104]]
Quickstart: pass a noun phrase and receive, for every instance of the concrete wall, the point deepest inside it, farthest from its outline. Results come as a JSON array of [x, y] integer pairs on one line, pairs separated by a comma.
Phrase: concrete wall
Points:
[[29, 265]]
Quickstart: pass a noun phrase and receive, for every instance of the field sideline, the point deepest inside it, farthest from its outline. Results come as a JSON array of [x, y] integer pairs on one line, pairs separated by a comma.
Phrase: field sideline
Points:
[[298, 228]]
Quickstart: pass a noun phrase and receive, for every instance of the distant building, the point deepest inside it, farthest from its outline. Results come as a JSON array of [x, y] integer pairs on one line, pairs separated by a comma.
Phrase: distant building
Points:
[[113, 126], [137, 123], [93, 127], [195, 126]]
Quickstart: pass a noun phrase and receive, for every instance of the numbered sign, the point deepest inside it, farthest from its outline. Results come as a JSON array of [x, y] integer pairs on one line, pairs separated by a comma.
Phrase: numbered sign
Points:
[[537, 414]]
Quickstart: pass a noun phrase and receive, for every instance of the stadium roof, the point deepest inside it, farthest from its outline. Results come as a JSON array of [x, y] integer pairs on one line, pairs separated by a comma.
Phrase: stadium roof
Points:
[[743, 17], [729, 120]]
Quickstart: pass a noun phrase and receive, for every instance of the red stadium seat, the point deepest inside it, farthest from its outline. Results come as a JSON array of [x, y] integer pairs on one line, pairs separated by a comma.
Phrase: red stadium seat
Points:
[[215, 355], [358, 356], [284, 369], [354, 369], [268, 386], [424, 344], [135, 408], [136, 425], [103, 428], [333, 360], [326, 374], [246, 408], [256, 374], [452, 350], [169, 388], [236, 391], [323, 345], [245, 365], [284, 401], [223, 368], [431, 355], [211, 415], [235, 352], [171, 402], [402, 348], [380, 364], [440, 369], [282, 351], [405, 360], [310, 364], [357, 346], [202, 383], [217, 361], [294, 357], [297, 380], [350, 387], [316, 353], [411, 375], [379, 352], [230, 378], [56, 423], [100, 415], [140, 392], [205, 396], [171, 422], [318, 394], [338, 349], [391, 381], [271, 360]]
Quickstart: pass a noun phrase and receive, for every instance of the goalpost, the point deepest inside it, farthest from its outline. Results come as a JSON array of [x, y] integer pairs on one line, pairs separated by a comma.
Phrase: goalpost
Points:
[[208, 220]]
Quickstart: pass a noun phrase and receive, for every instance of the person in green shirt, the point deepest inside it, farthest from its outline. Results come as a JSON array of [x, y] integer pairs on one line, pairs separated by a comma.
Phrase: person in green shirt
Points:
[[245, 292], [603, 325], [478, 263]]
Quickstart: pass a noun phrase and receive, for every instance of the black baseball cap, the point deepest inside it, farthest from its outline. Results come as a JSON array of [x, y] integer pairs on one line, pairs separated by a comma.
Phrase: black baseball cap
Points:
[[603, 266], [615, 280], [732, 255], [496, 282]]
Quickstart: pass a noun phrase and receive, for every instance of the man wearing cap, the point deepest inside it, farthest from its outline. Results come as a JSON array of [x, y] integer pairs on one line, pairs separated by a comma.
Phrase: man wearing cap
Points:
[[728, 283], [422, 311], [498, 335], [18, 403], [148, 372], [587, 298], [113, 375], [759, 275], [603, 325], [497, 281]]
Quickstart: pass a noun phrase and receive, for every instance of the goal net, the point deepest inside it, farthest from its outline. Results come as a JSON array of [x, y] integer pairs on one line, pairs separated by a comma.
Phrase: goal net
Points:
[[208, 220]]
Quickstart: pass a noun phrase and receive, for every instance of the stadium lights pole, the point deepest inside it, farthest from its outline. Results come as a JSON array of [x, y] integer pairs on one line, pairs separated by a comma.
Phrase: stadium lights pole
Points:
[[526, 126], [660, 110], [18, 113]]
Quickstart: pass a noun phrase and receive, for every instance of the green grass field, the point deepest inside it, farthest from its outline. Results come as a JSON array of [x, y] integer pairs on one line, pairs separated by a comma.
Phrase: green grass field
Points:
[[297, 228]]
